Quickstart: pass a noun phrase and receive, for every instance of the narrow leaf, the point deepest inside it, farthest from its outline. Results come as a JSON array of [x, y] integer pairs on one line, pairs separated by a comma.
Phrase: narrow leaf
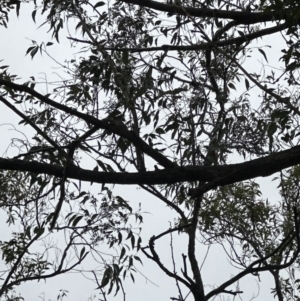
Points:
[[263, 53]]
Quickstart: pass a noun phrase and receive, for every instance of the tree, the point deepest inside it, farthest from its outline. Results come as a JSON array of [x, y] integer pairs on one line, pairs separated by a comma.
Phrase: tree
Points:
[[177, 106]]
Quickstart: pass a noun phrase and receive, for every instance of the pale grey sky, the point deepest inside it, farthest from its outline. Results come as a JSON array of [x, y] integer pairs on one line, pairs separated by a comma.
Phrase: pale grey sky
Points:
[[15, 41]]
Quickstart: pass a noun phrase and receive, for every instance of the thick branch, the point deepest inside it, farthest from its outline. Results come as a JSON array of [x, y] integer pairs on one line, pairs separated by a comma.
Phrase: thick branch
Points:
[[197, 288], [243, 17], [216, 175], [106, 124]]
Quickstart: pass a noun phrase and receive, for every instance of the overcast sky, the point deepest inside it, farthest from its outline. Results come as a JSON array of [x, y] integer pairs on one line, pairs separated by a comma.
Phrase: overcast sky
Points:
[[15, 41]]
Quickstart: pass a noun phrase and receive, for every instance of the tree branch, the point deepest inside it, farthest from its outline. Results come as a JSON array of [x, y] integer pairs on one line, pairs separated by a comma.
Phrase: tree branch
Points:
[[215, 175], [197, 288], [39, 131], [106, 124], [203, 46], [243, 17], [156, 258]]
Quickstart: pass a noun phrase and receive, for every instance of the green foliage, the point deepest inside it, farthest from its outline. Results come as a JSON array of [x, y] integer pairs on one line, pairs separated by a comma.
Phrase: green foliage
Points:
[[158, 95]]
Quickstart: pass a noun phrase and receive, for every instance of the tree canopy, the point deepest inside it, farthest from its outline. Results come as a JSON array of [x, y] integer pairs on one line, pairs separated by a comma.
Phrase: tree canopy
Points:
[[166, 96]]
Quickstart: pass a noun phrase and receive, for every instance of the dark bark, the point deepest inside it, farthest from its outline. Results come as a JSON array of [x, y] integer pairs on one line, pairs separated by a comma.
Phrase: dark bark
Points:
[[105, 124], [243, 17], [197, 287], [214, 175]]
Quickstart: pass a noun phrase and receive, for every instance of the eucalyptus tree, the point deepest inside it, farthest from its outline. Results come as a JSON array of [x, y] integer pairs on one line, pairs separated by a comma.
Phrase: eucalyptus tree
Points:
[[163, 95]]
